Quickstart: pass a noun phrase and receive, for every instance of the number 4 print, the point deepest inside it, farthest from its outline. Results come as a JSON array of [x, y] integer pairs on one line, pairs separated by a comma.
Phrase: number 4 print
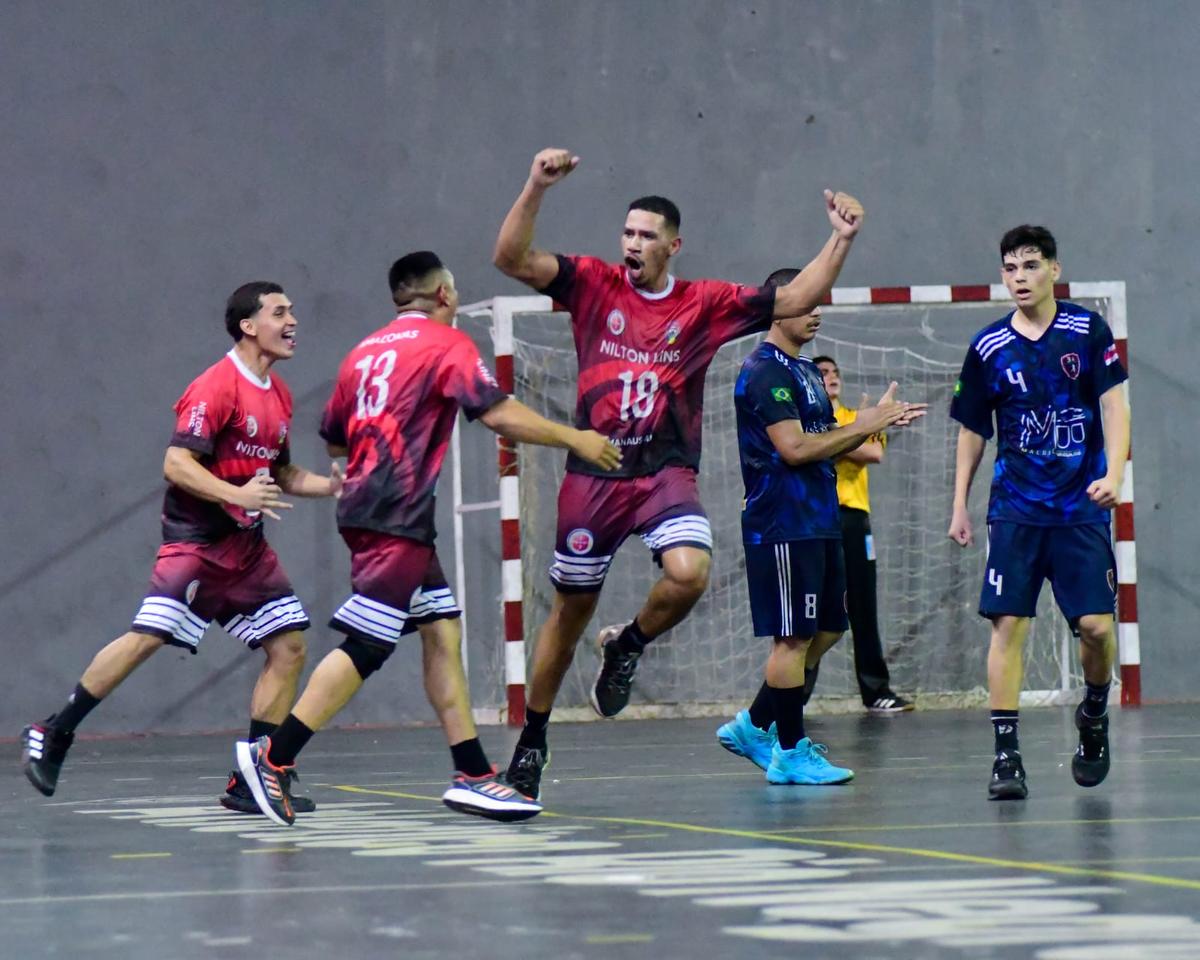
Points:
[[996, 580], [1018, 378]]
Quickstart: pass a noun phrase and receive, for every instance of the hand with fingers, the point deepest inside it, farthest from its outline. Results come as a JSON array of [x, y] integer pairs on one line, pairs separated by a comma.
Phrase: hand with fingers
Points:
[[337, 480], [261, 494], [890, 412], [1104, 492], [846, 214], [960, 528], [597, 450], [551, 165]]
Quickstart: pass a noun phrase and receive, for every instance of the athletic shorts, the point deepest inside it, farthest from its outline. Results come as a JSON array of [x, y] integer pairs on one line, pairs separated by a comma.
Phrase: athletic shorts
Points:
[[398, 585], [596, 514], [1078, 562], [237, 581], [797, 588]]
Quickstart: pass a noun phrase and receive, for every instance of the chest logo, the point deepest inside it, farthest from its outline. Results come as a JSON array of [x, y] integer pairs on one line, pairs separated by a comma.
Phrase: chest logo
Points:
[[1070, 364], [672, 334], [251, 427], [616, 323], [579, 541]]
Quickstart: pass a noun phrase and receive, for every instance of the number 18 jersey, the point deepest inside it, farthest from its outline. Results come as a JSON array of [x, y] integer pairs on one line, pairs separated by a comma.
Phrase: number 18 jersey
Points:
[[643, 357], [393, 408]]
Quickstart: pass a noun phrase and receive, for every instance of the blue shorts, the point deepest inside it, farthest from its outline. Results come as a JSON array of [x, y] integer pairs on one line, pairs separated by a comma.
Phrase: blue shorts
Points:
[[1078, 562], [797, 588]]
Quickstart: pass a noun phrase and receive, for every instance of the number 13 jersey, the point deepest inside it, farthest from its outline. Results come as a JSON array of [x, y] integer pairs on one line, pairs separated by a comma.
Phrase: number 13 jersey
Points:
[[393, 408], [643, 357]]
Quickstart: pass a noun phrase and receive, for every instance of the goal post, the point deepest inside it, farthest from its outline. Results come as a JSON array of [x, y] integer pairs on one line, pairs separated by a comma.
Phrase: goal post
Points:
[[928, 587]]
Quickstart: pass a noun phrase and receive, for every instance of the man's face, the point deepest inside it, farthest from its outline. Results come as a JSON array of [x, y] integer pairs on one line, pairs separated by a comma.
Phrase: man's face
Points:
[[803, 328], [647, 245], [273, 326], [1029, 276], [832, 377]]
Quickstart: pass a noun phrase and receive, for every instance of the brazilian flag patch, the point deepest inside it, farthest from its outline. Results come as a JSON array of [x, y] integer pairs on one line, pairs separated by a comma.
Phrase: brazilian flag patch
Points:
[[957, 387], [782, 394]]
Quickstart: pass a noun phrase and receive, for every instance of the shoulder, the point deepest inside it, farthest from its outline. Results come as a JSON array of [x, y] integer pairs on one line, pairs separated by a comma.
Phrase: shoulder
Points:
[[592, 266], [1074, 319], [221, 377], [992, 337]]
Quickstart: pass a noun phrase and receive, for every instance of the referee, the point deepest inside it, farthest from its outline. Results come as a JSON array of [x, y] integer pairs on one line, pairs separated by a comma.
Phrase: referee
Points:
[[874, 683]]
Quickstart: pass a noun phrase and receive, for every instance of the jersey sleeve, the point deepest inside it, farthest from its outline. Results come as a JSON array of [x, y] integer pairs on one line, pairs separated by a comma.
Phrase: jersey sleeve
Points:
[[464, 378], [576, 275], [770, 390], [1108, 371], [201, 413], [735, 310], [971, 405]]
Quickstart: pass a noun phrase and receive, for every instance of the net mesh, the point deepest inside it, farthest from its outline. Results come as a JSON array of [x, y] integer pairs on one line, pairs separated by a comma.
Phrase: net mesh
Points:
[[928, 587]]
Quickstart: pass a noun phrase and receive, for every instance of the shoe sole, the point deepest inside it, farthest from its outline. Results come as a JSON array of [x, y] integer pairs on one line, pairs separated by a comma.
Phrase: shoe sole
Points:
[[1085, 777], [809, 783], [250, 805], [250, 772], [884, 711], [462, 800], [612, 631], [1008, 793]]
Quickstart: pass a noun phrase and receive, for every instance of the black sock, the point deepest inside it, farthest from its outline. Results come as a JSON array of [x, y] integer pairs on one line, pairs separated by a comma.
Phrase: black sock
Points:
[[288, 740], [632, 639], [470, 759], [1095, 700], [762, 713], [788, 703], [261, 728], [810, 681], [79, 704], [1005, 724], [533, 734]]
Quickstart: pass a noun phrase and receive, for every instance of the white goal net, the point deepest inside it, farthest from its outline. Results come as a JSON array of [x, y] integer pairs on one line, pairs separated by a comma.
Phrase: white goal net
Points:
[[928, 587]]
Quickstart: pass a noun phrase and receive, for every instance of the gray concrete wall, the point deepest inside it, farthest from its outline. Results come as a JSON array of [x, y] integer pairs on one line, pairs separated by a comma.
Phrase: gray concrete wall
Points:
[[156, 155]]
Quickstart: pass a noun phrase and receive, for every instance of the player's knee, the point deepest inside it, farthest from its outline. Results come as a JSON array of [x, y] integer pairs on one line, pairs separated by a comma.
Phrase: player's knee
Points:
[[366, 656], [142, 645], [1095, 630], [688, 570], [287, 651]]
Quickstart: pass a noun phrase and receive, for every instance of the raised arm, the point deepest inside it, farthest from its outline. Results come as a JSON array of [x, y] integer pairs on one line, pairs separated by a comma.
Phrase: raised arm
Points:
[[811, 285], [512, 419], [1106, 492], [966, 462], [514, 253]]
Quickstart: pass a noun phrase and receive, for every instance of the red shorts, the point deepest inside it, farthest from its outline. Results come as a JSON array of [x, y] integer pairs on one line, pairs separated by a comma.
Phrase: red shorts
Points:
[[237, 581], [398, 584], [596, 514]]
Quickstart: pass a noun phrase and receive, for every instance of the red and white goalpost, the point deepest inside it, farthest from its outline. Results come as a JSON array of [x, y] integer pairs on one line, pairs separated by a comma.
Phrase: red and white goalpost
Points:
[[501, 311]]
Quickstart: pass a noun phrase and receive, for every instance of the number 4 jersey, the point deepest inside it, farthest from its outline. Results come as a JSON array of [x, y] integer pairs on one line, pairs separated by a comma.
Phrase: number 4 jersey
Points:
[[393, 408], [643, 356], [1045, 395]]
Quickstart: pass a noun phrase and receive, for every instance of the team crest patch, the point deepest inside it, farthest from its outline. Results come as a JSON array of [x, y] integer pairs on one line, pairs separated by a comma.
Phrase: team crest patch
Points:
[[190, 593], [579, 540], [1111, 355], [782, 394], [251, 427], [616, 323], [672, 334], [1070, 365]]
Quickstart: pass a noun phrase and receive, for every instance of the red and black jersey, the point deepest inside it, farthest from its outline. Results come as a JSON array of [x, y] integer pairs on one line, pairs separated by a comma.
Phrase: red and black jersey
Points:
[[393, 408], [239, 424], [643, 357]]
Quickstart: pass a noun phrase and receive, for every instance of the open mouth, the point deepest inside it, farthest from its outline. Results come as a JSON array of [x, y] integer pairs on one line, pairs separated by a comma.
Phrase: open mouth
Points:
[[634, 264], [289, 337]]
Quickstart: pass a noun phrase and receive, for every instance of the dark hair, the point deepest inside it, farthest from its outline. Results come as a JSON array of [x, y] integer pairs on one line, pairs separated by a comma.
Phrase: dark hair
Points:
[[817, 361], [782, 277], [245, 302], [409, 271], [660, 205], [1029, 236]]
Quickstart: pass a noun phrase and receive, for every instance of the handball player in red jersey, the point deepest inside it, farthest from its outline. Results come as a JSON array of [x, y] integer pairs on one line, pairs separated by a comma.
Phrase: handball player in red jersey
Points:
[[644, 339], [391, 414], [227, 466]]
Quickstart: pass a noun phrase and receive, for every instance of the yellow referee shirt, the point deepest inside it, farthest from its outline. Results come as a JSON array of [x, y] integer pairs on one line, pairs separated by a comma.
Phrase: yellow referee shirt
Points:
[[852, 484]]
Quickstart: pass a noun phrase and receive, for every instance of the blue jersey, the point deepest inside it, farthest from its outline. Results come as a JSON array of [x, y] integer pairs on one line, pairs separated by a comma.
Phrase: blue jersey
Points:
[[1045, 395], [783, 502]]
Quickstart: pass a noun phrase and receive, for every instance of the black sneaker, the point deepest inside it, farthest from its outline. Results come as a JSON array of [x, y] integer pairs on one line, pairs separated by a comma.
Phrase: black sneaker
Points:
[[43, 750], [888, 702], [1008, 777], [524, 772], [1090, 764], [267, 782], [610, 693], [238, 797]]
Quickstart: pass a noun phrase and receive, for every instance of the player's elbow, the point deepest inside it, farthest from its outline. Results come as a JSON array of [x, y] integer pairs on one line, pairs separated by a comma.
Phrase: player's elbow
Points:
[[509, 262]]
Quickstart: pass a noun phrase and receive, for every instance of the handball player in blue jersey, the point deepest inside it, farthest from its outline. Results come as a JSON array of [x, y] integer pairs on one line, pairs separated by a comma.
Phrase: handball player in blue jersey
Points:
[[792, 533], [1049, 374]]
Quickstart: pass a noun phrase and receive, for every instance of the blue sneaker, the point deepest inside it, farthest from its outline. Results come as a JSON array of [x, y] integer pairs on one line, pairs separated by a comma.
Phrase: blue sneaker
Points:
[[805, 763], [739, 736]]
